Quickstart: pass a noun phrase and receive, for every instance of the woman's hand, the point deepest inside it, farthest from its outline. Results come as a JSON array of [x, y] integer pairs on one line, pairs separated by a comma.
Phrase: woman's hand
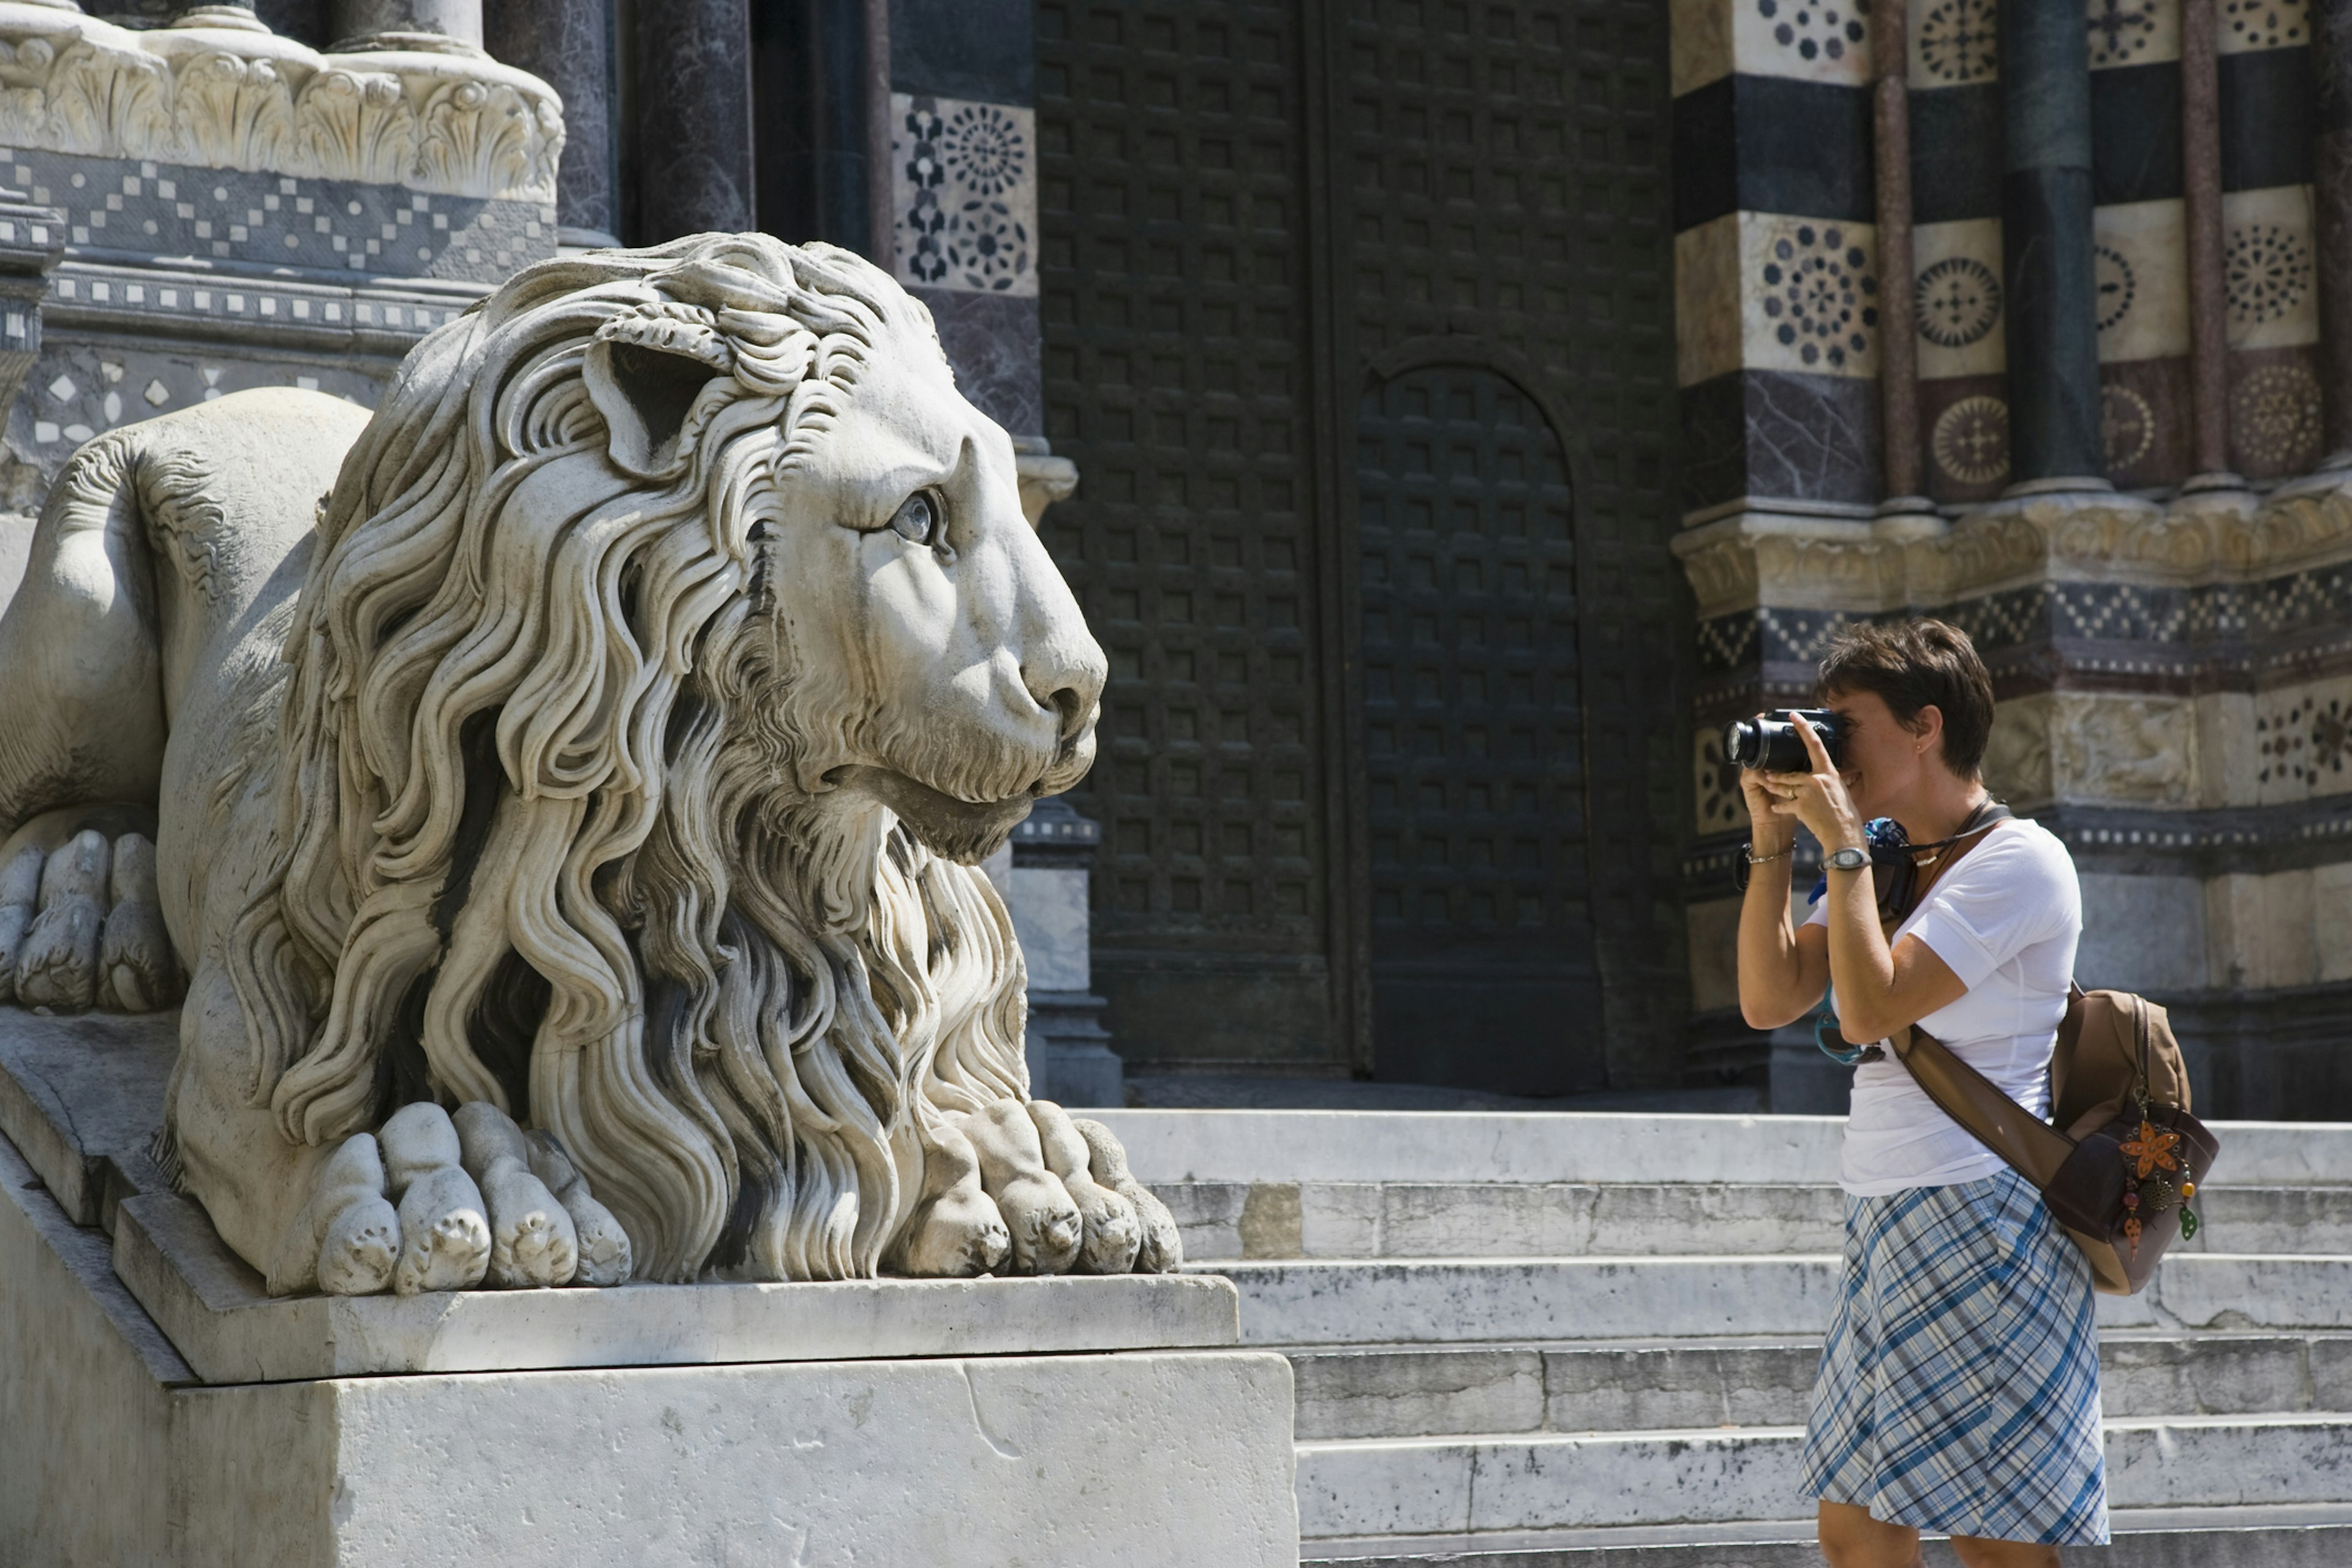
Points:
[[1817, 799], [1770, 833]]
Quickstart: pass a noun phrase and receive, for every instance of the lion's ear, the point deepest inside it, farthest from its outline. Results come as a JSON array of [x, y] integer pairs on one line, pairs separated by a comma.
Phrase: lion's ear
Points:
[[644, 375]]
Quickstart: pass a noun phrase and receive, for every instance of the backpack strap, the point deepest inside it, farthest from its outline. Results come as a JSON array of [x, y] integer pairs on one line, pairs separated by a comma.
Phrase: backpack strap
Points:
[[2033, 1147]]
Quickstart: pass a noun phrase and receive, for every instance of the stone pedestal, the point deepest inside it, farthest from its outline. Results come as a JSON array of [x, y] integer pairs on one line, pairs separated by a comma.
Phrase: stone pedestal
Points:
[[156, 1407], [1070, 1058]]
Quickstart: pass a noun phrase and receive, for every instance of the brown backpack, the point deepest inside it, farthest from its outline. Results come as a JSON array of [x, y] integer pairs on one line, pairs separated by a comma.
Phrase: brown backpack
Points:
[[2120, 1157]]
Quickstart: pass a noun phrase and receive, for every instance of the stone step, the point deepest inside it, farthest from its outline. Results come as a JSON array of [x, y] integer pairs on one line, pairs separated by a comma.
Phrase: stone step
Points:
[[1468, 1485], [1469, 1301], [1223, 1220], [2303, 1536], [1443, 1146], [1413, 1391]]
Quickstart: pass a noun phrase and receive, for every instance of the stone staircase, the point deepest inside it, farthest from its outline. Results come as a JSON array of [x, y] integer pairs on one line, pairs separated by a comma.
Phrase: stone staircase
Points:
[[1588, 1341]]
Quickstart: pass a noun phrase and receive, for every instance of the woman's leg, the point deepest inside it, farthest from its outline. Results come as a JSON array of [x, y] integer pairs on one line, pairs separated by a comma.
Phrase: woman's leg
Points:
[[1852, 1539], [1975, 1552]]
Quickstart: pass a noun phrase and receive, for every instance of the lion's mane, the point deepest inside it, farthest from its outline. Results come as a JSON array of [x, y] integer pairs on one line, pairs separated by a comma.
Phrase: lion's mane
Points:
[[538, 838]]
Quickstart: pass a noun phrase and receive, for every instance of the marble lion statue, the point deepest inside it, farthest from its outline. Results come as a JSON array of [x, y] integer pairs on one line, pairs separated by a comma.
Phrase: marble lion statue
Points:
[[563, 834]]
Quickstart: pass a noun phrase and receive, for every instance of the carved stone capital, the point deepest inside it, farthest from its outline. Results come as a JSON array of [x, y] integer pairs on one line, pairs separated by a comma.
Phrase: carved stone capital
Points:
[[1754, 558], [1748, 558], [226, 97]]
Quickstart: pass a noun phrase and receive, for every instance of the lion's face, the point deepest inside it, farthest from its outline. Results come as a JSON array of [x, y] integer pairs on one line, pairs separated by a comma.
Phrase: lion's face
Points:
[[937, 662]]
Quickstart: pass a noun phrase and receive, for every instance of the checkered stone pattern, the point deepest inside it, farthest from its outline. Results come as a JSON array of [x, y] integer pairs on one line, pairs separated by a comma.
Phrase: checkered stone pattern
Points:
[[81, 390], [278, 220], [2229, 623], [181, 300]]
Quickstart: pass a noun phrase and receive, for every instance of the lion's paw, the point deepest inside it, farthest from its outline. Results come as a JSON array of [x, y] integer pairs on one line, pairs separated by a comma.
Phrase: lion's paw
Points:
[[956, 1231], [347, 1236], [1044, 1223], [1113, 1233], [1162, 1247], [602, 1247], [445, 1234], [434, 1202], [82, 925], [532, 1239]]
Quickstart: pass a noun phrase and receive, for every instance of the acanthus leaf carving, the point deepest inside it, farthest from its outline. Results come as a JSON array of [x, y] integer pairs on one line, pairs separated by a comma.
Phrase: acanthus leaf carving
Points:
[[108, 103], [447, 123], [358, 120], [230, 112], [475, 136]]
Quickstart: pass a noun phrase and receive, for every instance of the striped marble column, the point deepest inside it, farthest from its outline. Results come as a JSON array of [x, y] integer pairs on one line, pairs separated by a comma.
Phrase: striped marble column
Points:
[[1898, 349], [693, 113], [2053, 353], [458, 22], [2200, 160], [2332, 200], [568, 44]]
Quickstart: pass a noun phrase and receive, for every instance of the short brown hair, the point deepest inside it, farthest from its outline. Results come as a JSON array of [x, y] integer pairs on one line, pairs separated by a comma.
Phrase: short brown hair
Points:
[[1913, 665]]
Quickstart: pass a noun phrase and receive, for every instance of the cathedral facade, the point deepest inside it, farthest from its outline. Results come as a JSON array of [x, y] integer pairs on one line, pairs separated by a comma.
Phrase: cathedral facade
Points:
[[1448, 414]]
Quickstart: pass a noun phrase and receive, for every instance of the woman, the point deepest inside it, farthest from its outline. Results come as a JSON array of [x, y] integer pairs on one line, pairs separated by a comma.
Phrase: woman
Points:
[[1958, 1391]]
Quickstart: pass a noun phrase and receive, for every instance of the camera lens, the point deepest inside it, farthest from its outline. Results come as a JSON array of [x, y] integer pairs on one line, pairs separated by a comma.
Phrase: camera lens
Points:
[[1743, 742]]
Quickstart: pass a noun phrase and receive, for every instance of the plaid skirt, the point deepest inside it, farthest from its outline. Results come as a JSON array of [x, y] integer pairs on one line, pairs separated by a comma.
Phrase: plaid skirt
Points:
[[1958, 1391]]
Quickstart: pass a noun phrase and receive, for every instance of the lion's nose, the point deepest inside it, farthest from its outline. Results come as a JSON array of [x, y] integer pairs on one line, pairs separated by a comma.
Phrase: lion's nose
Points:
[[1070, 685], [1073, 706]]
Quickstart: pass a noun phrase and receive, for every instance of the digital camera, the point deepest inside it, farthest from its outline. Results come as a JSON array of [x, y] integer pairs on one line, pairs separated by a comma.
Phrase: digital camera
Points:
[[1770, 742]]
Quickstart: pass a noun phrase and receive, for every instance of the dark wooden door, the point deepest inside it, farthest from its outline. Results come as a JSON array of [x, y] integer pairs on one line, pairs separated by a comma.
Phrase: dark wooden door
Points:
[[1284, 243], [1481, 940]]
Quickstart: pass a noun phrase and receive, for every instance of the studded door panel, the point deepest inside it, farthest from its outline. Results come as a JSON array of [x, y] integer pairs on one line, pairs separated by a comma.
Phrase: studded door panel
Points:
[[1253, 218], [1481, 928], [1176, 365], [1500, 169]]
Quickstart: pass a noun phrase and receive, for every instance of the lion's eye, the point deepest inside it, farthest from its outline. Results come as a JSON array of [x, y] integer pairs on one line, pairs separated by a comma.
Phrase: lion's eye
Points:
[[917, 521]]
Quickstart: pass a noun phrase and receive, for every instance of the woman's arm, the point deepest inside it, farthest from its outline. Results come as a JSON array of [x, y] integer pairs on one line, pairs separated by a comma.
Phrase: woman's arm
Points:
[[1783, 972], [1879, 989]]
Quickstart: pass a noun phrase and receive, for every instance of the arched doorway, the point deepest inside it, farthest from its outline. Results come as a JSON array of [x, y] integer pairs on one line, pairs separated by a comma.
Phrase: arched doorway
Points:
[[1483, 969]]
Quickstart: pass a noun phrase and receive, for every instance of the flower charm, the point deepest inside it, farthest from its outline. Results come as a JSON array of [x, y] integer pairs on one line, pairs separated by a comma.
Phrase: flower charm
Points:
[[2152, 1149]]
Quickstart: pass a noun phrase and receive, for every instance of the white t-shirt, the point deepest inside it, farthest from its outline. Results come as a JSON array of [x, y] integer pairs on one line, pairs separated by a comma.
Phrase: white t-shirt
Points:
[[2005, 920]]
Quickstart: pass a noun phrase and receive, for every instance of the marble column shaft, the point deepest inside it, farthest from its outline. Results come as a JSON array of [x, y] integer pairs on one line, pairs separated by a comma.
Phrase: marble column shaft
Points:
[[2201, 163], [1898, 340], [882, 230], [568, 44], [2046, 248], [693, 78], [2331, 38], [351, 20]]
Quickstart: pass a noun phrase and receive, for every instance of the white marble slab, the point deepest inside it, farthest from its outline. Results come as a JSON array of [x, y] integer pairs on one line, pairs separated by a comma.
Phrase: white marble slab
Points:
[[212, 1307]]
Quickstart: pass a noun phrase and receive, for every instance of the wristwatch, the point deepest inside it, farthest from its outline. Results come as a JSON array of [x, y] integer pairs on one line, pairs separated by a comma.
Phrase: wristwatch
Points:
[[1847, 859]]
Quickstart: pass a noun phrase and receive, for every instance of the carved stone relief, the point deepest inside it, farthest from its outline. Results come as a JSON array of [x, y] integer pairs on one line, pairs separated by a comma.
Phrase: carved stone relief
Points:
[[2268, 246], [1960, 298], [1954, 43], [2135, 750], [1716, 795], [2302, 741], [2017, 755], [964, 188]]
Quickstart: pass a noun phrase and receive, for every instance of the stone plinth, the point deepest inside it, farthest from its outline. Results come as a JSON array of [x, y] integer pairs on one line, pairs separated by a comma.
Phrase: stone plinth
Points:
[[157, 1407]]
